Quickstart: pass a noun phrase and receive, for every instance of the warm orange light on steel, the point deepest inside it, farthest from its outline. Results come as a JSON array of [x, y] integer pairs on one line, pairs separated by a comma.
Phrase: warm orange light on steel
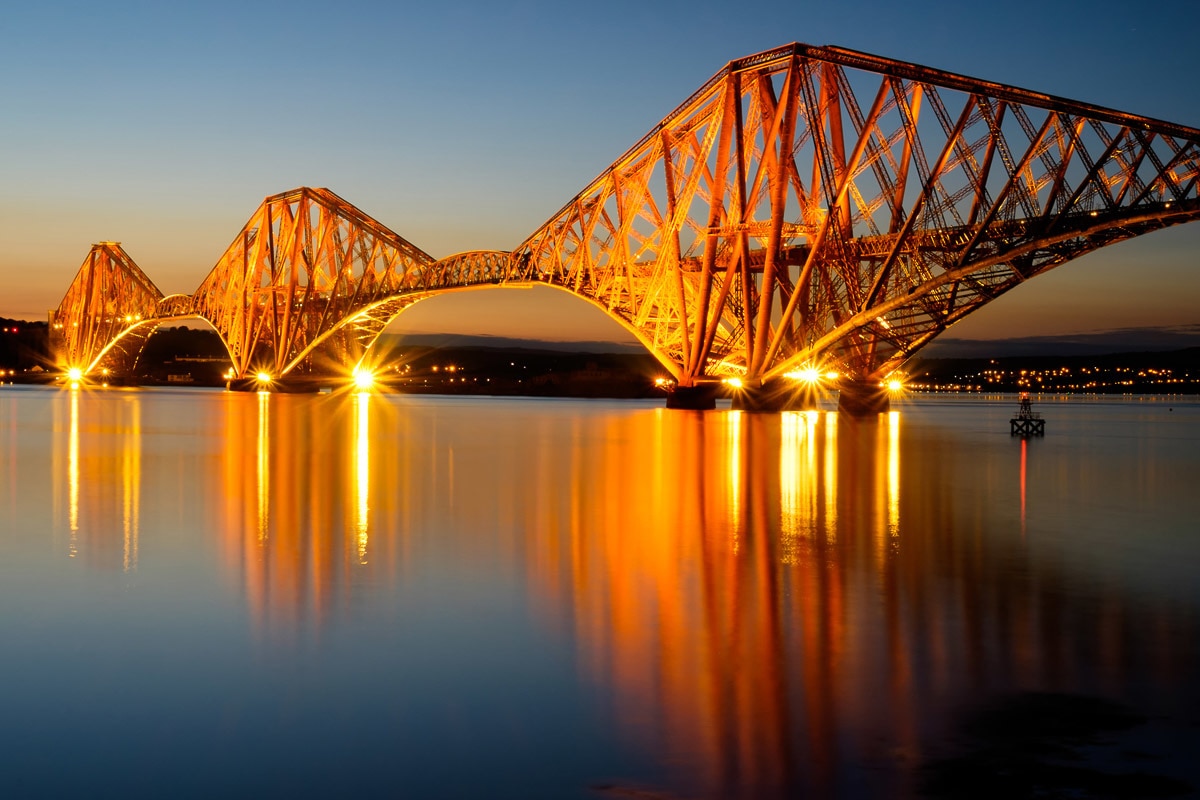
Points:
[[806, 205], [817, 204], [301, 270], [107, 313]]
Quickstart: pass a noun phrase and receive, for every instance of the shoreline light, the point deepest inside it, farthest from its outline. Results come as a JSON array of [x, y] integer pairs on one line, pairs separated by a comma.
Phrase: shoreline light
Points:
[[364, 379]]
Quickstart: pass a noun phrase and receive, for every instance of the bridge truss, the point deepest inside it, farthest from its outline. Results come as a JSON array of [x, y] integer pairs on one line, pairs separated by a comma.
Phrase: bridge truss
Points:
[[806, 207], [109, 311], [814, 205], [299, 273]]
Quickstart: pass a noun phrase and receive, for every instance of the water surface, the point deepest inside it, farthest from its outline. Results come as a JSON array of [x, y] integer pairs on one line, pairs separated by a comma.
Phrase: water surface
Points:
[[206, 593]]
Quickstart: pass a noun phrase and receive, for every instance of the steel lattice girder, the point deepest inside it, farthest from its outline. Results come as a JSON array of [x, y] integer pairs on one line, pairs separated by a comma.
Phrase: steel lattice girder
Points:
[[108, 310], [770, 221], [305, 264], [766, 223]]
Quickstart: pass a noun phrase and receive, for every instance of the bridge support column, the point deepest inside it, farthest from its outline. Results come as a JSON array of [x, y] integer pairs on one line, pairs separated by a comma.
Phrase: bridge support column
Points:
[[242, 385], [862, 398], [290, 385], [775, 396], [695, 398]]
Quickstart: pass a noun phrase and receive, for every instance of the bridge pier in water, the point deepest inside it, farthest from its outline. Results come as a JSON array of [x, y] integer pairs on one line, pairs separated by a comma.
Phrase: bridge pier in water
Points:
[[702, 397], [289, 385], [862, 398], [856, 397], [775, 396]]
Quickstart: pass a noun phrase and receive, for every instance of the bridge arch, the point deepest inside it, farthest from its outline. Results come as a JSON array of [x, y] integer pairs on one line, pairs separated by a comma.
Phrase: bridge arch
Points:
[[815, 204], [805, 205], [106, 313], [389, 311], [986, 279]]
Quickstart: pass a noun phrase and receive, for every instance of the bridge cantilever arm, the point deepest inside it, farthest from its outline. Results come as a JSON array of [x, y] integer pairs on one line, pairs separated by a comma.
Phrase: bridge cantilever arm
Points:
[[1012, 94], [1188, 211], [909, 222]]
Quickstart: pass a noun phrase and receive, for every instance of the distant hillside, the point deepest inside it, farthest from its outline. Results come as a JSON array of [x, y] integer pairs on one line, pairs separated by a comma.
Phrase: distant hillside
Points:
[[443, 364], [526, 368], [498, 365], [1119, 340], [443, 340], [23, 345]]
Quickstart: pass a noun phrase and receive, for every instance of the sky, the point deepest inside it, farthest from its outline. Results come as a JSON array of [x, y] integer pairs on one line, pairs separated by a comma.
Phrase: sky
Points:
[[467, 125]]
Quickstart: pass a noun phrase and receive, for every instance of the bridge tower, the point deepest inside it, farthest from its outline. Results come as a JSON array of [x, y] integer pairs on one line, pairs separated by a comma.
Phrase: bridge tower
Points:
[[815, 210], [301, 287], [109, 310]]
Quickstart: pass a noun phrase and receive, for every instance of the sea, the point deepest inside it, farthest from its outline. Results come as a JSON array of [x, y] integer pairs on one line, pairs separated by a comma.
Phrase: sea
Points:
[[219, 594]]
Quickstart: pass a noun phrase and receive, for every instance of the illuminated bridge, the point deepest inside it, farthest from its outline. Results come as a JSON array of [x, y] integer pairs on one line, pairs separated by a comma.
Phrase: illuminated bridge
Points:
[[808, 210]]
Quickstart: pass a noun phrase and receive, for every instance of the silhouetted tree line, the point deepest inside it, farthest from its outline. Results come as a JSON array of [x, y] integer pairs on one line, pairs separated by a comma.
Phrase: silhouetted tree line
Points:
[[23, 345]]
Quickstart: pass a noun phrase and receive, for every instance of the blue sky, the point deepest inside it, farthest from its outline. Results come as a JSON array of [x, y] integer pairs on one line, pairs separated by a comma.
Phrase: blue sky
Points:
[[465, 125]]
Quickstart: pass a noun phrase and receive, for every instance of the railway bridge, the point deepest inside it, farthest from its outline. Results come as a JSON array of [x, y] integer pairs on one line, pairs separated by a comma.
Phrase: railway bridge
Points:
[[808, 211]]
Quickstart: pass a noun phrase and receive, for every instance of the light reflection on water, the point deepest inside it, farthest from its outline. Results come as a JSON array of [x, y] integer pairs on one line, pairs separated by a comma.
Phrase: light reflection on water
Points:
[[561, 595], [362, 439]]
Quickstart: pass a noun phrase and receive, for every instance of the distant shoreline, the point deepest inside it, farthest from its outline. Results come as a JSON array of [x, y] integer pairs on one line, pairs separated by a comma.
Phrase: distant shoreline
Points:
[[471, 365]]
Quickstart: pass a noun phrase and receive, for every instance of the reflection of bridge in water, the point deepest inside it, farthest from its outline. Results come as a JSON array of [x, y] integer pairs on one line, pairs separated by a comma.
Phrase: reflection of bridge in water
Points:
[[771, 591], [809, 209]]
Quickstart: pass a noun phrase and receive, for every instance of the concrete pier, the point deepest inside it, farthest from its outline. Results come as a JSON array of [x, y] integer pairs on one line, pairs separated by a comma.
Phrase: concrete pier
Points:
[[694, 398], [776, 396], [289, 385], [862, 398]]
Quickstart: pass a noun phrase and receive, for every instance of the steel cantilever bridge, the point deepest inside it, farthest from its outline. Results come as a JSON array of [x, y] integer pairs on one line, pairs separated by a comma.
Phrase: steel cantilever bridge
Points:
[[808, 209]]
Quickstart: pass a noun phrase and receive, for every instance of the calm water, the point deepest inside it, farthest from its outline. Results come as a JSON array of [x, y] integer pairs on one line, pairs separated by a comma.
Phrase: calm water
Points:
[[215, 594]]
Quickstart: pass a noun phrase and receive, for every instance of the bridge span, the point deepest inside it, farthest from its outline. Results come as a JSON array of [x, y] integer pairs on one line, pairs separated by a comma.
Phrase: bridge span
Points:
[[807, 211]]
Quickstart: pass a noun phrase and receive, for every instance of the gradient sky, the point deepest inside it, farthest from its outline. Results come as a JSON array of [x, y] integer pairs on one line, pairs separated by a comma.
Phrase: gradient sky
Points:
[[466, 125]]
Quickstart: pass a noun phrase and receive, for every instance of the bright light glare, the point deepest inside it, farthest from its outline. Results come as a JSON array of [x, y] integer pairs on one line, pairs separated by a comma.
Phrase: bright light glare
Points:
[[894, 385], [363, 379], [811, 375], [263, 377], [734, 382], [75, 374]]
